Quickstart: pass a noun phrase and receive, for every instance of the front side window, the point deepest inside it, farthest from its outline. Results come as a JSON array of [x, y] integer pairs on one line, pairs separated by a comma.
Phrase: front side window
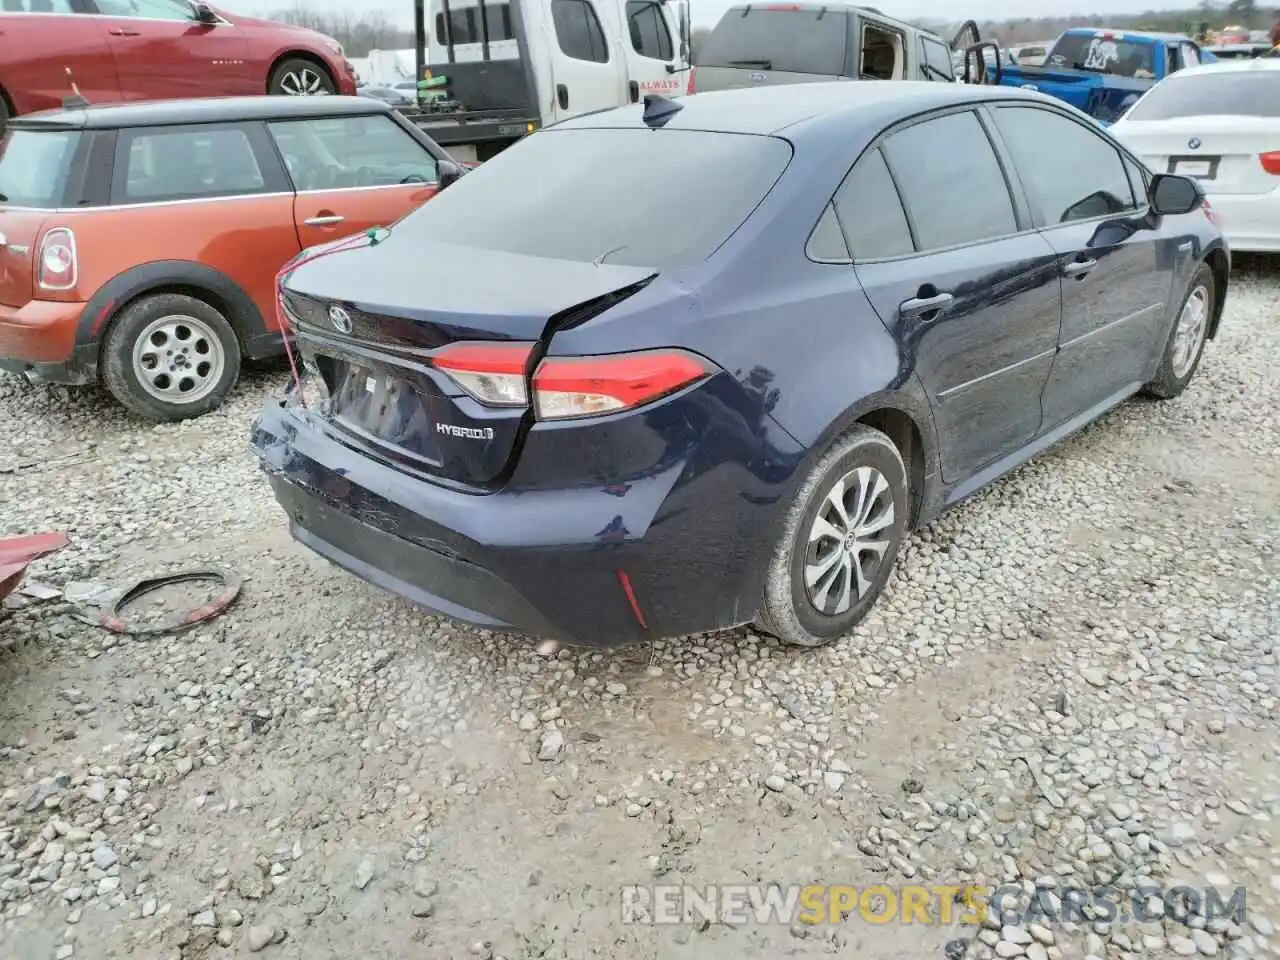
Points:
[[871, 213], [1070, 172], [147, 9], [578, 30], [335, 153], [936, 60], [34, 165], [956, 197], [686, 192], [164, 163], [38, 6], [648, 28]]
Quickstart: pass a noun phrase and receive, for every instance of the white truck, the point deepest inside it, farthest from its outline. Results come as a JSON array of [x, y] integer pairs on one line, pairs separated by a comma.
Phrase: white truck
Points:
[[496, 70]]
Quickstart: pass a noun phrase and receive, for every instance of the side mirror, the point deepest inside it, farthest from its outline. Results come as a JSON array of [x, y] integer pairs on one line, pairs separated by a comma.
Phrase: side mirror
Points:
[[204, 13], [1171, 194], [447, 174]]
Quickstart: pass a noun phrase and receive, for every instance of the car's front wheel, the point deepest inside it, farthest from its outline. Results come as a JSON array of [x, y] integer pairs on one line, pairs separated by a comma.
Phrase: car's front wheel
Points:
[[300, 78], [170, 357], [839, 541], [1185, 346]]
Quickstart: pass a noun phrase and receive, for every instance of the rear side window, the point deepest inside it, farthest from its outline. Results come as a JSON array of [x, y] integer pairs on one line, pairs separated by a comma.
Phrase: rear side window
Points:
[[34, 165], [687, 191], [578, 30], [1244, 93], [936, 59], [648, 29], [163, 163], [956, 198], [1070, 171], [786, 40], [871, 213]]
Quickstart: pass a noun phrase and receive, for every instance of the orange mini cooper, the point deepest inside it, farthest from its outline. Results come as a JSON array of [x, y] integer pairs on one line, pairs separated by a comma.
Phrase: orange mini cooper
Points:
[[139, 242]]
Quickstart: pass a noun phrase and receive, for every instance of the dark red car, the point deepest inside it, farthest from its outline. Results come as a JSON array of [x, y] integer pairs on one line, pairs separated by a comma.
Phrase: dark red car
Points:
[[155, 50]]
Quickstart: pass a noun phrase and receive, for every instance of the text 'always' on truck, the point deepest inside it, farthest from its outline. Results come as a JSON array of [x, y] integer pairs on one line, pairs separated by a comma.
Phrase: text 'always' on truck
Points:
[[496, 70]]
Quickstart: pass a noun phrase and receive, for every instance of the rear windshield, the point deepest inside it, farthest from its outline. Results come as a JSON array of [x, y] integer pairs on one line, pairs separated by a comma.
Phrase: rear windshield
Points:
[[1122, 58], [1232, 92], [789, 41], [664, 198], [34, 166]]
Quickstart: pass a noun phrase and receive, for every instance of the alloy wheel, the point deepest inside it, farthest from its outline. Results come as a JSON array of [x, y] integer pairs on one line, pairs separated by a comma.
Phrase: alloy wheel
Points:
[[1193, 321], [178, 359], [848, 539], [302, 83]]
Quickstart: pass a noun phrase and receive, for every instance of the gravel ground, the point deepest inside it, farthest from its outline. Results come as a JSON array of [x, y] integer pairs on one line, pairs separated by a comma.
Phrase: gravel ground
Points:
[[1070, 681]]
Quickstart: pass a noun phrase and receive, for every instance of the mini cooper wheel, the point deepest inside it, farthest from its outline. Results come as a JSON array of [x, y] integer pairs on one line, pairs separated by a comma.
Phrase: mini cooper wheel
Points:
[[170, 357], [300, 78], [1185, 346], [839, 541]]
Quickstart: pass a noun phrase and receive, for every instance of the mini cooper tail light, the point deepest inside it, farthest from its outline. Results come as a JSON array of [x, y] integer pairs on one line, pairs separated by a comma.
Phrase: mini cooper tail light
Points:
[[56, 266], [1270, 162]]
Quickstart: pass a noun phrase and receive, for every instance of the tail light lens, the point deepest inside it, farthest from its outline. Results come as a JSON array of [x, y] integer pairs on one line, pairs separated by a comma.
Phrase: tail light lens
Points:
[[691, 89], [1270, 162], [57, 267], [566, 387]]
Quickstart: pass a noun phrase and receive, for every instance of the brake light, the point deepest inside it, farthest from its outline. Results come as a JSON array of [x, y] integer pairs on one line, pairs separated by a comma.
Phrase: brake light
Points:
[[690, 90], [56, 266], [496, 375], [1270, 162]]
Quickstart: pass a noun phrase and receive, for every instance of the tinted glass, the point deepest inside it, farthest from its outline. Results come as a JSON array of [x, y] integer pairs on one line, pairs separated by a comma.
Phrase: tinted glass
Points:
[[1070, 171], [955, 196], [686, 193], [827, 240], [34, 165], [648, 29], [937, 60], [1119, 57], [1237, 93], [497, 18], [871, 213], [792, 41], [339, 152], [578, 30], [38, 6], [150, 9], [197, 162]]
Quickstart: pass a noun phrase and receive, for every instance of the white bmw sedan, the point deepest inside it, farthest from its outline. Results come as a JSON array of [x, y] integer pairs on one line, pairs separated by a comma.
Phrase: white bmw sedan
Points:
[[1219, 123]]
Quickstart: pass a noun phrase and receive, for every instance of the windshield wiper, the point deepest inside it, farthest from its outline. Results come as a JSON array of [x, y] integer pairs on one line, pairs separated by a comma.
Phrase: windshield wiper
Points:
[[762, 64]]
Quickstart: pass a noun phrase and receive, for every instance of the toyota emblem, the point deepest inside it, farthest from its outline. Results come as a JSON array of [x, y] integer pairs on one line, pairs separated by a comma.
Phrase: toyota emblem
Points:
[[340, 319], [1194, 143]]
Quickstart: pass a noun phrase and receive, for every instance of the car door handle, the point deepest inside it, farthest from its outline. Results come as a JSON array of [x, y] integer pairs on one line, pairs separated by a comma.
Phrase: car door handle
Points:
[[562, 96], [124, 32], [634, 89], [918, 306], [1079, 268], [328, 221]]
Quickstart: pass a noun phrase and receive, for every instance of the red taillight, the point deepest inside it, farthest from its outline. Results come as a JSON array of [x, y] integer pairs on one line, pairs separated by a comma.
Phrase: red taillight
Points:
[[56, 266], [690, 90], [564, 387], [1270, 162]]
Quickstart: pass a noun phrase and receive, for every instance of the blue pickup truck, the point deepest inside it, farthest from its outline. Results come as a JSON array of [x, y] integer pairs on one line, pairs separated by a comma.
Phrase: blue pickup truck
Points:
[[1104, 72]]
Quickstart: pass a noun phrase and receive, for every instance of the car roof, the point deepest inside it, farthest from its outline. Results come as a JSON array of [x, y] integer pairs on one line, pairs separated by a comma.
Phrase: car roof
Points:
[[1264, 64], [150, 113], [773, 109]]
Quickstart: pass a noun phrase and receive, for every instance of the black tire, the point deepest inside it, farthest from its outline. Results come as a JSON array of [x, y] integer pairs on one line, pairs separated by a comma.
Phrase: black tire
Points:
[[191, 332], [1175, 371], [787, 611], [4, 111], [293, 77]]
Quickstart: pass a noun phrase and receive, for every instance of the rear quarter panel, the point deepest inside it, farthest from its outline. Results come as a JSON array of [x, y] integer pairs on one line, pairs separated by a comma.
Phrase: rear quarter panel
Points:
[[247, 239]]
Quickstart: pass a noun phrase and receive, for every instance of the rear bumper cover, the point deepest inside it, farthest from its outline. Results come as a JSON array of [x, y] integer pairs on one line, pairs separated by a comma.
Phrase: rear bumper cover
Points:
[[598, 566], [1250, 222], [38, 339]]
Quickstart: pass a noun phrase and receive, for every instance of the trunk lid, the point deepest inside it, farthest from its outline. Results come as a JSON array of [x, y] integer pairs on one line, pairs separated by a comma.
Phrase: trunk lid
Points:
[[19, 233], [385, 393], [1225, 158]]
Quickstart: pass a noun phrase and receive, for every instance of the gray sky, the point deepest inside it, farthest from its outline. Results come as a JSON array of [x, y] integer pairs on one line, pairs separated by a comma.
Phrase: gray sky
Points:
[[708, 11]]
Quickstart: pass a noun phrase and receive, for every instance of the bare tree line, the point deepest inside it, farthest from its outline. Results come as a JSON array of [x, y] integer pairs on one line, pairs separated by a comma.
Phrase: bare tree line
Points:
[[360, 32]]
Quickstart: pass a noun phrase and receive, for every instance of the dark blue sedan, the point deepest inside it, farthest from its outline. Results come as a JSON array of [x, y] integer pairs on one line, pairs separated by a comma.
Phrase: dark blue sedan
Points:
[[697, 363]]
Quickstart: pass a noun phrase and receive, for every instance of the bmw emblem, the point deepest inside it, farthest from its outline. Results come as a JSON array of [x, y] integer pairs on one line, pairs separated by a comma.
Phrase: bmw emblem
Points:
[[758, 78], [1194, 143], [340, 319]]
